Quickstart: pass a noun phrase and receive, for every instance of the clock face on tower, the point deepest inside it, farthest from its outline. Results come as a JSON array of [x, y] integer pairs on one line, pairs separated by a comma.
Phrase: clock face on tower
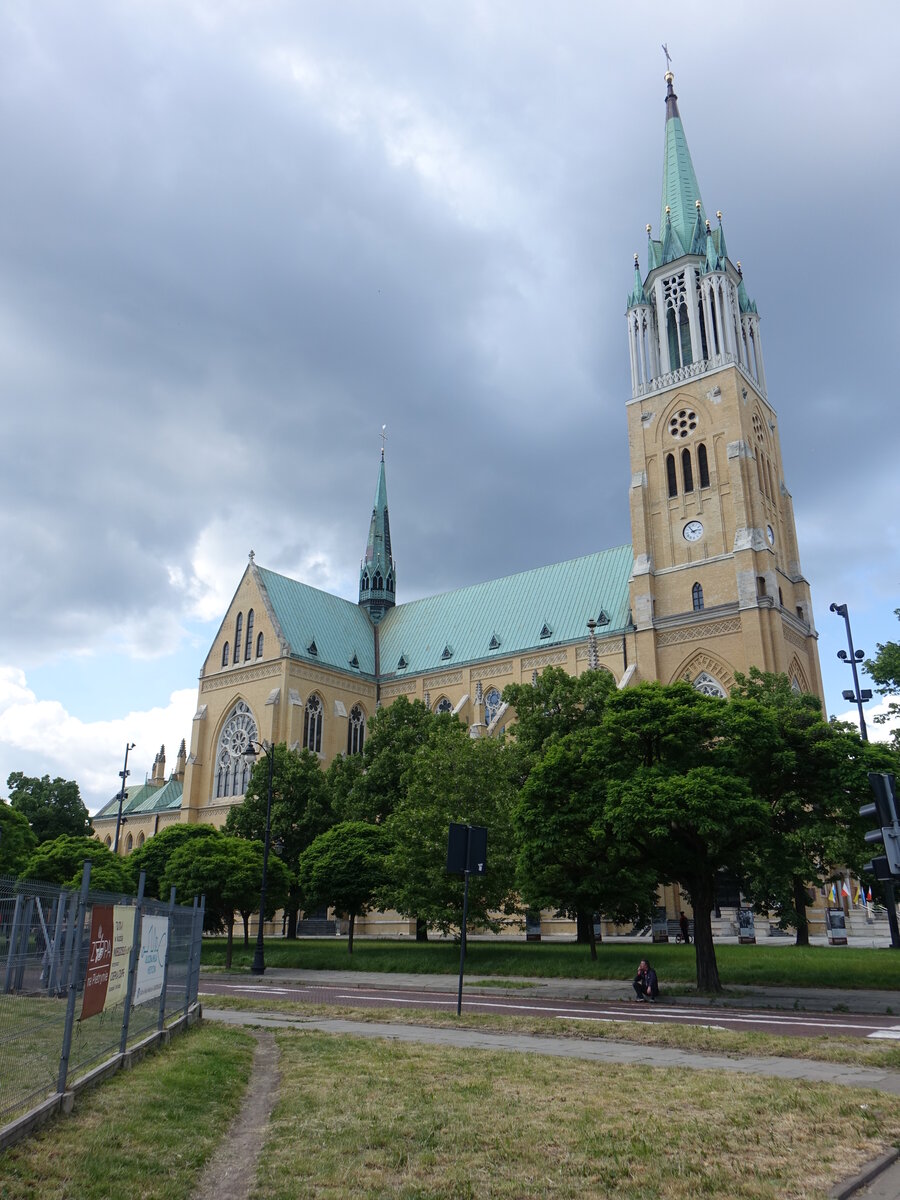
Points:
[[693, 531], [770, 534]]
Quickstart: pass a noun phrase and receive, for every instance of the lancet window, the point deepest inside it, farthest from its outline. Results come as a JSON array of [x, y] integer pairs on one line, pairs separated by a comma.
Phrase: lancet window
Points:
[[312, 724], [225, 650], [248, 647], [492, 702], [356, 730], [697, 597]]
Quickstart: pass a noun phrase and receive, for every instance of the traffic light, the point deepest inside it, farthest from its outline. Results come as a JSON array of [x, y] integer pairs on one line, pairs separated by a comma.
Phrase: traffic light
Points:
[[887, 812]]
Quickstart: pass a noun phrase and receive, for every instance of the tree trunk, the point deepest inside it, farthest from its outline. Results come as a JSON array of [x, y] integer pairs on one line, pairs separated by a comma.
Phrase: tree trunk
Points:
[[292, 923], [703, 897], [421, 930], [801, 902], [593, 940], [350, 938], [583, 925], [229, 942], [245, 917]]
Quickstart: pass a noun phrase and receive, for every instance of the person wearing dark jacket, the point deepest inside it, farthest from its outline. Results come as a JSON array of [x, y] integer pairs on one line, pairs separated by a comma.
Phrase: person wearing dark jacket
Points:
[[645, 983]]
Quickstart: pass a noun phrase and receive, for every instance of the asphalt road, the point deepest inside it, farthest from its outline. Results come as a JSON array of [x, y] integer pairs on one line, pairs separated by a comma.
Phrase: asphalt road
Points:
[[787, 1023]]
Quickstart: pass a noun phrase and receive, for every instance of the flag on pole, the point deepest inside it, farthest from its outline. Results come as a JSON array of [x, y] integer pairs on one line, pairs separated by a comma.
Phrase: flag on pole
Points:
[[834, 892], [869, 896], [845, 891], [858, 896]]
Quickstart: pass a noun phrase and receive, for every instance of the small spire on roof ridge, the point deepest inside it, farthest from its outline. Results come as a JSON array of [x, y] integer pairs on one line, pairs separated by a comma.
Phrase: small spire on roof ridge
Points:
[[251, 556], [383, 440]]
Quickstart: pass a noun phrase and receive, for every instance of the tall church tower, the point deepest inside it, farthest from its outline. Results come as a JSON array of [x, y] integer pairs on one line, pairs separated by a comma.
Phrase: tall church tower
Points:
[[716, 585], [377, 576]]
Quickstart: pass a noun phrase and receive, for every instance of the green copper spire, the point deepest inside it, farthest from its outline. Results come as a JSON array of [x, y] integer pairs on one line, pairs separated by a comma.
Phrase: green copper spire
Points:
[[377, 577], [680, 190]]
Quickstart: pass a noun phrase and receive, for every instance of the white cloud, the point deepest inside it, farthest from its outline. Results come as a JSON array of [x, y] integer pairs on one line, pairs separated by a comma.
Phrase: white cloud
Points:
[[878, 732], [41, 737]]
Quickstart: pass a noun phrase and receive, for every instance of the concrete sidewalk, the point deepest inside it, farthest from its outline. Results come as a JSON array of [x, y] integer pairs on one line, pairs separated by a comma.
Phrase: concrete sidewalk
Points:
[[878, 1002]]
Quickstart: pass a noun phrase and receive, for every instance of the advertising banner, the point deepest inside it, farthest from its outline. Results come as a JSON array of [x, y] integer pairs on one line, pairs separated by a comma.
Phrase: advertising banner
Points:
[[99, 960], [123, 940], [151, 958]]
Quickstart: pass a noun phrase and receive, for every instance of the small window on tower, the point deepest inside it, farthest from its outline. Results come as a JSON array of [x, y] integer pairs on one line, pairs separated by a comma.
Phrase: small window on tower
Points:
[[671, 478], [225, 655], [761, 585], [697, 597], [687, 470], [703, 466]]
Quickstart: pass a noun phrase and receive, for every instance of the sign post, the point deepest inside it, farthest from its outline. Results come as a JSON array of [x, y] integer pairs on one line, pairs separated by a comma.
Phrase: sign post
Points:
[[466, 855]]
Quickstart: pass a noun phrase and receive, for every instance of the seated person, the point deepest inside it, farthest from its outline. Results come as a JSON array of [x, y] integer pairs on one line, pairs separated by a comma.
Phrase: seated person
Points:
[[645, 983]]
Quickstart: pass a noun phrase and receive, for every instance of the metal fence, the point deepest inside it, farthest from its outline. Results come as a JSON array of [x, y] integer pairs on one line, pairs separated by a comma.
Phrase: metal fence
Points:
[[85, 975]]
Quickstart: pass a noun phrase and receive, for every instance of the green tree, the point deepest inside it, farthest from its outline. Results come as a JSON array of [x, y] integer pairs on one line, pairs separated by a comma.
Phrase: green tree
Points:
[[452, 778], [394, 735], [562, 864], [673, 799], [812, 776], [151, 858], [884, 669], [228, 872], [52, 807], [16, 840], [568, 856], [344, 868], [301, 810], [61, 861]]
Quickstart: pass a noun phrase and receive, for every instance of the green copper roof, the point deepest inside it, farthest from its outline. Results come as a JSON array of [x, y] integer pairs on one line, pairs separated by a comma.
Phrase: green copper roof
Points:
[[508, 616], [680, 189], [337, 628], [637, 294], [145, 798]]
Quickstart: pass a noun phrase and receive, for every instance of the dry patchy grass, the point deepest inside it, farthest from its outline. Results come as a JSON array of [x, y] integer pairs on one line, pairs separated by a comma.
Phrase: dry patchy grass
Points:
[[376, 1119]]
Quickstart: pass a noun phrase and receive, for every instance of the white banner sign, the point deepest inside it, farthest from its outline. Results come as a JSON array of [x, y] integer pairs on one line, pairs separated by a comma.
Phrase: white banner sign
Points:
[[152, 958], [122, 941]]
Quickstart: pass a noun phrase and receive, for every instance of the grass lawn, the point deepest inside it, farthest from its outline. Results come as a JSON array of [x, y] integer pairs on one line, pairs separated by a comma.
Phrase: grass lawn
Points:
[[145, 1133], [785, 966], [374, 1120], [738, 1044]]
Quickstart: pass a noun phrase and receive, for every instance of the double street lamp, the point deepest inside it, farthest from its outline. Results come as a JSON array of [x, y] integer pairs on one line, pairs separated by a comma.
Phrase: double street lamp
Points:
[[857, 697], [258, 966]]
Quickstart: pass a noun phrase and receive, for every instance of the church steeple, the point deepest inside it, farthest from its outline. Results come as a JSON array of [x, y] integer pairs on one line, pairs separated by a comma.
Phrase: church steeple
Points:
[[692, 314], [377, 576]]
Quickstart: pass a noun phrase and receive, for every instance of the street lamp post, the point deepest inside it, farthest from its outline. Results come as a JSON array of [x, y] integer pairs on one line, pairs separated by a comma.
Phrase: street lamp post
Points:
[[124, 773], [855, 696], [259, 954]]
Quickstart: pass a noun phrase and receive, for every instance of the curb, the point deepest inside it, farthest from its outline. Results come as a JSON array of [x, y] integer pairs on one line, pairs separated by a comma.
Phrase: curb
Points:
[[842, 1191]]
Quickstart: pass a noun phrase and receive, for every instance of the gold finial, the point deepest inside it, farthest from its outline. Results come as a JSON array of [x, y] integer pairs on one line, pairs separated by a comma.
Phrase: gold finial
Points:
[[668, 210], [635, 258], [696, 204], [707, 227], [719, 213], [670, 78], [648, 227], [740, 270]]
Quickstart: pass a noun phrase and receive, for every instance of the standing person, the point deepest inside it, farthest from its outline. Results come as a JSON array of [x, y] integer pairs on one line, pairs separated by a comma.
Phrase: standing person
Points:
[[645, 983], [685, 928]]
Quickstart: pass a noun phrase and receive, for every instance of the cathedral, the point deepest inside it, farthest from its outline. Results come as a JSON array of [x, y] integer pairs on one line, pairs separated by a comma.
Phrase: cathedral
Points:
[[710, 585]]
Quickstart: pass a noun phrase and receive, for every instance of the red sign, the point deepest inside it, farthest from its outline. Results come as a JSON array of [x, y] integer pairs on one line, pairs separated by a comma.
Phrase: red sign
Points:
[[99, 961]]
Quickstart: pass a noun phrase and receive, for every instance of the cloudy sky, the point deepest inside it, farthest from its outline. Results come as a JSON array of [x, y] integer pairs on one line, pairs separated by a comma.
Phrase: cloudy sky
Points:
[[238, 237]]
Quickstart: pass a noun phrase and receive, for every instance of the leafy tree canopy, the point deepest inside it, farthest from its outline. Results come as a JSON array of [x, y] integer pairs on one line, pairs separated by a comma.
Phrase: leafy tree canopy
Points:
[[884, 669], [61, 862], [344, 868], [451, 778], [301, 810], [156, 852], [554, 705], [16, 840], [52, 807]]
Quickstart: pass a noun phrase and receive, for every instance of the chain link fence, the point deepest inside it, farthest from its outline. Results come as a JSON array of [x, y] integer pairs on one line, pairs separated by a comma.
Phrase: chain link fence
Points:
[[84, 976]]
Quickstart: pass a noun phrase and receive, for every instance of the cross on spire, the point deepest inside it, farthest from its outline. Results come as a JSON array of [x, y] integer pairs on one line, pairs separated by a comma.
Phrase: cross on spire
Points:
[[383, 440], [665, 50]]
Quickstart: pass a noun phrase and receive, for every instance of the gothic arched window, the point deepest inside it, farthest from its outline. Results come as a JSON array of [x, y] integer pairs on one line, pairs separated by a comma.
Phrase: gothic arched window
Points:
[[687, 471], [492, 702], [356, 730], [671, 478], [443, 706], [703, 466], [238, 634], [697, 597], [377, 582], [225, 655], [234, 754], [312, 724], [259, 646], [248, 646]]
